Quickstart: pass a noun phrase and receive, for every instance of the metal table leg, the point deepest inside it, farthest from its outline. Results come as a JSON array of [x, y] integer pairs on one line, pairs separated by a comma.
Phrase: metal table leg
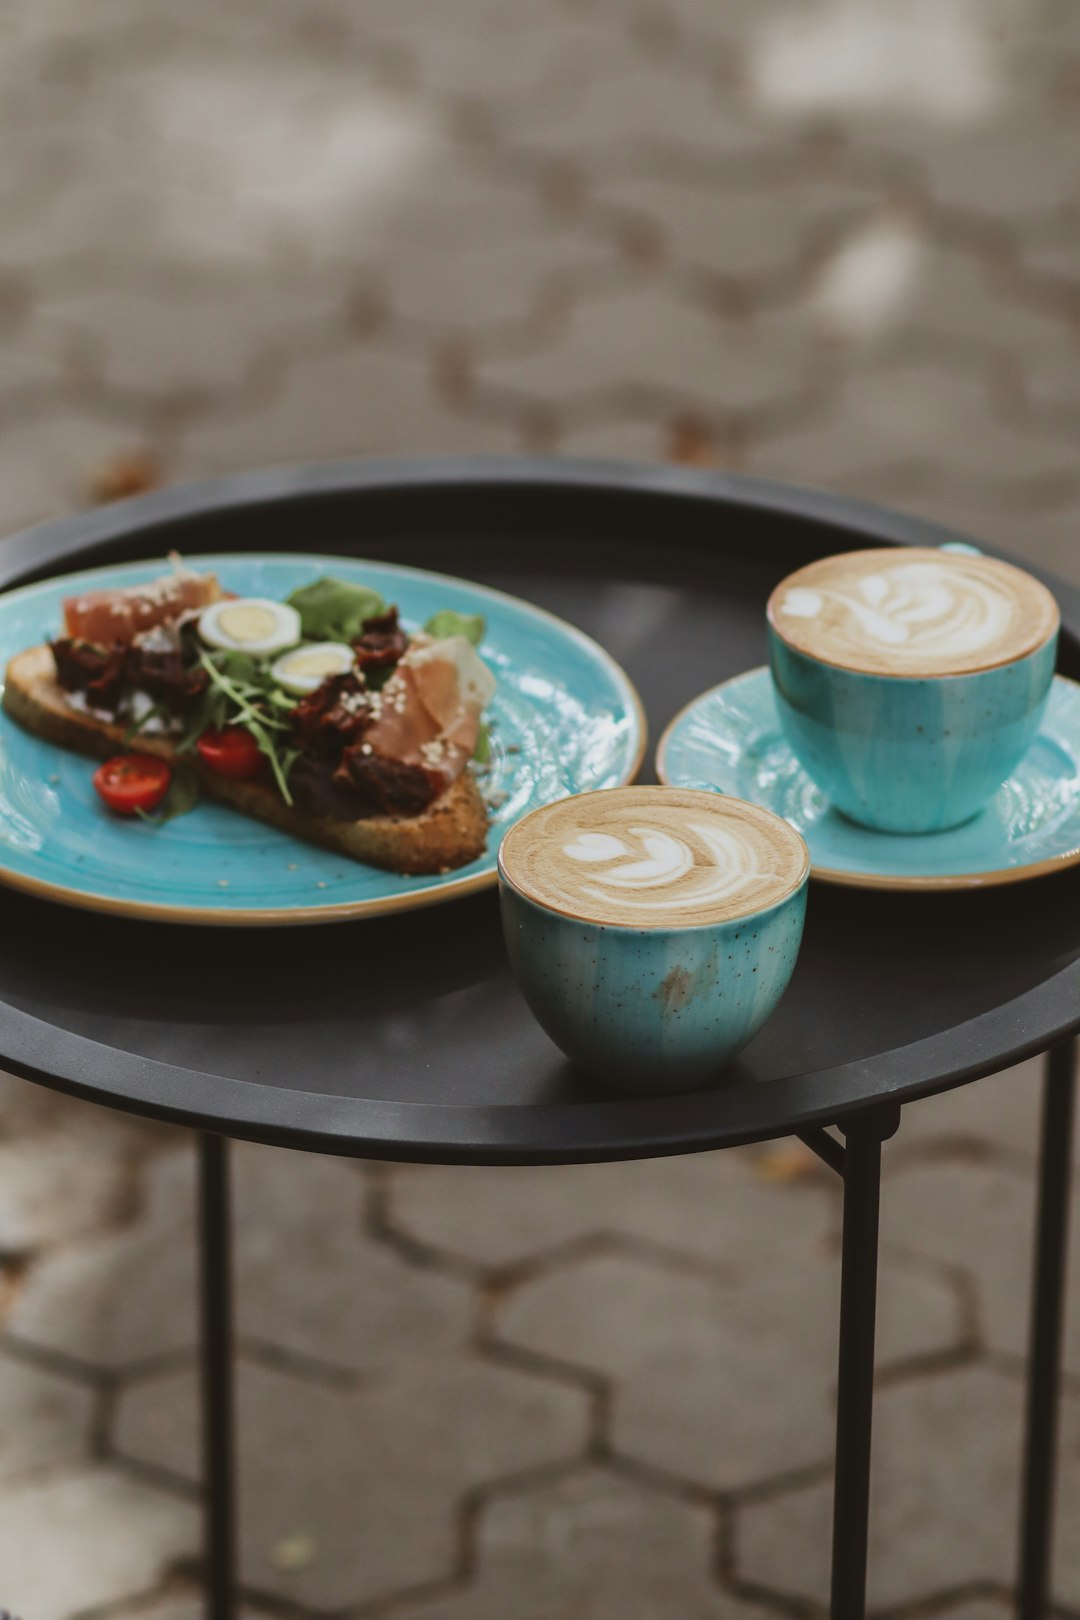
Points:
[[1047, 1313], [215, 1277], [855, 1384]]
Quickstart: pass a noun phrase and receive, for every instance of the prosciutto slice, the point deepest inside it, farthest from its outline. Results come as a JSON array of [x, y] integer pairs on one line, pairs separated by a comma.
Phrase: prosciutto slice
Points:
[[428, 713], [118, 616]]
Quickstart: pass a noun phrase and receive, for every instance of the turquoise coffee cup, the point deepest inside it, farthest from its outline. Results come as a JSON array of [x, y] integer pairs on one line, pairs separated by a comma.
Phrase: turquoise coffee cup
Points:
[[663, 1005], [909, 753]]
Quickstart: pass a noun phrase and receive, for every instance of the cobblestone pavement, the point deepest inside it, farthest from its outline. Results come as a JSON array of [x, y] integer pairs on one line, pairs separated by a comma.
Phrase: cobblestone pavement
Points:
[[830, 242]]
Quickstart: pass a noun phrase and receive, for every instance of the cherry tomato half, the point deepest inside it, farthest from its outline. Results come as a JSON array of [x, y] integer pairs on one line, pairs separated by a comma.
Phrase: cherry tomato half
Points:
[[231, 752], [132, 782]]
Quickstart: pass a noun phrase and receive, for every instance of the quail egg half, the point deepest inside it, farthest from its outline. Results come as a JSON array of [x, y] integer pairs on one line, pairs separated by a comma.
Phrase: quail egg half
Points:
[[251, 624], [305, 668]]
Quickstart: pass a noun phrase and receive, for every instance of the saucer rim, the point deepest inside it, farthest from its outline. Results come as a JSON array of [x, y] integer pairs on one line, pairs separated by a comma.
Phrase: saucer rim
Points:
[[994, 877]]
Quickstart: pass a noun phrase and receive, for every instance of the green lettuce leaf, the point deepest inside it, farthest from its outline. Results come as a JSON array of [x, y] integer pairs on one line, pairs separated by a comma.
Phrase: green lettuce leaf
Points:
[[449, 623], [333, 610]]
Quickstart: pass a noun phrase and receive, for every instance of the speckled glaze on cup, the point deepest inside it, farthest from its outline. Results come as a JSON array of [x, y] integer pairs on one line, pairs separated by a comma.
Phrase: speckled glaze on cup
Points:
[[653, 1009], [909, 753]]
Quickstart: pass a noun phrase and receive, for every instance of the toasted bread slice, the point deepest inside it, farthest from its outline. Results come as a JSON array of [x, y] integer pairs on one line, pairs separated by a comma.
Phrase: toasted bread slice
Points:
[[451, 832]]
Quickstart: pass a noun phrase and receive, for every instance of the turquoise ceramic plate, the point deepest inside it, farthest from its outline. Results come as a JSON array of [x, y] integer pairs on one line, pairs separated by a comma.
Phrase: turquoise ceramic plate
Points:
[[729, 740], [565, 720]]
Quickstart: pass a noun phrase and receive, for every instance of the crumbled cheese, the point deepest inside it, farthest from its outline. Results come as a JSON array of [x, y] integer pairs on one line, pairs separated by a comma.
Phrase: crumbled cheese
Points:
[[79, 702], [160, 638], [138, 705]]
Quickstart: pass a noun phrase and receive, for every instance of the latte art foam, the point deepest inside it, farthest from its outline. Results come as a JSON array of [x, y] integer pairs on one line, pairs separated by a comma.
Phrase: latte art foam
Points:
[[653, 857], [913, 611]]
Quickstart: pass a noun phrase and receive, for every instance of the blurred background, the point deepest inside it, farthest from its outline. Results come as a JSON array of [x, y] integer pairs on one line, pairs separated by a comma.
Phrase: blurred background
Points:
[[832, 241]]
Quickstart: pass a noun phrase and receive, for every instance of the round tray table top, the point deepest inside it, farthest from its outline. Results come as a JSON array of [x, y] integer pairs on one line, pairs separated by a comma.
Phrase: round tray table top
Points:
[[405, 1037]]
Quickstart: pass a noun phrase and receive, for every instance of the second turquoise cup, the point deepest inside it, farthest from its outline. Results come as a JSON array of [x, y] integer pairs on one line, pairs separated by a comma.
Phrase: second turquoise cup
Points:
[[662, 1007], [909, 753]]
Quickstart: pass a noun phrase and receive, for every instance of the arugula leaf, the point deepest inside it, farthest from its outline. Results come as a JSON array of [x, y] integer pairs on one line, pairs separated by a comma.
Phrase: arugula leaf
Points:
[[482, 751], [183, 795], [240, 694], [333, 610], [448, 623]]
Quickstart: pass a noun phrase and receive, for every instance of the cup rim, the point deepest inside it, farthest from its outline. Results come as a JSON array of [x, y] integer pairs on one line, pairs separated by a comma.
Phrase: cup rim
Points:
[[737, 918], [909, 675], [659, 928]]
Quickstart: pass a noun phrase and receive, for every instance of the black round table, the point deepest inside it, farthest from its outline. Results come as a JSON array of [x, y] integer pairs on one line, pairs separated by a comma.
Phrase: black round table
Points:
[[895, 996]]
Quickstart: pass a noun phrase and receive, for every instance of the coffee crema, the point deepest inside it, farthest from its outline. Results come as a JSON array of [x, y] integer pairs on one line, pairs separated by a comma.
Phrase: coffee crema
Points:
[[913, 611], [653, 857]]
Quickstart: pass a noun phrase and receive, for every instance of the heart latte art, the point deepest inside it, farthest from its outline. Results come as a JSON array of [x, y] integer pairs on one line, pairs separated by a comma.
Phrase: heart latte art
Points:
[[654, 857], [912, 611]]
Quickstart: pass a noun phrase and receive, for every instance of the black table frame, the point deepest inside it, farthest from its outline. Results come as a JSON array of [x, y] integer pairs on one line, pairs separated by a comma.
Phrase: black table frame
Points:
[[858, 1163], [862, 1099]]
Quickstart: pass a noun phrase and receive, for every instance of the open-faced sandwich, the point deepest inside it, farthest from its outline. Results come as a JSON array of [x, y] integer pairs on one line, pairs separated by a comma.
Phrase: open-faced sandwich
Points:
[[321, 714]]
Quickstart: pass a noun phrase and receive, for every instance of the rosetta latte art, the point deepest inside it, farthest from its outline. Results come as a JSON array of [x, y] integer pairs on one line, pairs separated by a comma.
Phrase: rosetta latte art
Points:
[[654, 857], [913, 611], [650, 869], [919, 608]]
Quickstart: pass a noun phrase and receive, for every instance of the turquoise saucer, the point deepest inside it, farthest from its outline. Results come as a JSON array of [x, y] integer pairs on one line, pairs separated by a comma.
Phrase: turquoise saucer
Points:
[[729, 740], [564, 719]]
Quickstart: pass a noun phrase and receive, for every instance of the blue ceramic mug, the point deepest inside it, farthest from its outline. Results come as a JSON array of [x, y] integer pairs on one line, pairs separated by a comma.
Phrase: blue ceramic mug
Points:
[[652, 930], [912, 751]]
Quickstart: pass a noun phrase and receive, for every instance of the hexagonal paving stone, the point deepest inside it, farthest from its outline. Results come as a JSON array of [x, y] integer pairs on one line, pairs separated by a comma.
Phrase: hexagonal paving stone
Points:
[[1005, 174], [959, 298], [307, 1282], [47, 463], [649, 340], [351, 1495], [59, 1184], [502, 280], [631, 438], [80, 1541], [1051, 394], [594, 1547], [163, 341], [723, 1384], [44, 1419], [901, 65], [475, 49], [943, 1500], [738, 232], [209, 159], [980, 1218], [36, 364], [353, 402], [116, 1300], [612, 107], [717, 1207], [917, 413]]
